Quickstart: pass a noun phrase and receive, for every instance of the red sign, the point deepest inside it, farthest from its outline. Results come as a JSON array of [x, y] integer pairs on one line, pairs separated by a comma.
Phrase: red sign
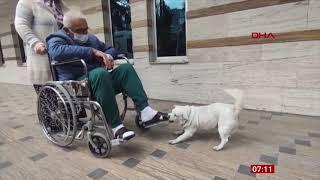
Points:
[[262, 168], [258, 35]]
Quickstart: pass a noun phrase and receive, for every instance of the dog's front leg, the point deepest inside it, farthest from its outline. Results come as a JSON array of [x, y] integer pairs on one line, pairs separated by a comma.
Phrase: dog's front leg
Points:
[[179, 132], [188, 133]]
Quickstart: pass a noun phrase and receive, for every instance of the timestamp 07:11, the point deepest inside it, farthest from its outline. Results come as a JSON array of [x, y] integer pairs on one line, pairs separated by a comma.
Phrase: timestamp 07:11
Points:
[[262, 168]]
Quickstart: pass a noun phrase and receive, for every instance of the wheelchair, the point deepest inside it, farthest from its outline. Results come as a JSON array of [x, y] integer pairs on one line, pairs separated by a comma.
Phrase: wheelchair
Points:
[[62, 108]]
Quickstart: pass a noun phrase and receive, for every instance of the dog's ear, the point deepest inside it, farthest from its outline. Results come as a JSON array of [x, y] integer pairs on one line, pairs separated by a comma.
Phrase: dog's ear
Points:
[[186, 112]]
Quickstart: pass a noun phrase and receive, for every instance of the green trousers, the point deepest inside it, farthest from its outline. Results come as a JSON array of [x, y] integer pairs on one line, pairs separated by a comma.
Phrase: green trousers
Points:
[[106, 85]]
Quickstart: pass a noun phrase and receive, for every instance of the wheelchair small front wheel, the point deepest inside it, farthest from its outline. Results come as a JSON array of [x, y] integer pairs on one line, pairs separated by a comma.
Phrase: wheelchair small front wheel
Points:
[[101, 147]]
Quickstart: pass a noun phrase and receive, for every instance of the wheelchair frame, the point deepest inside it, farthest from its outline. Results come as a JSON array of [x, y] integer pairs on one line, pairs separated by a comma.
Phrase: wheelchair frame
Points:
[[59, 106]]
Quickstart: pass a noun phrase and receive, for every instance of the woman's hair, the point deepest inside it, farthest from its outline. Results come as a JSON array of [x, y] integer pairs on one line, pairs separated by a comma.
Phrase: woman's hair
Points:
[[70, 16]]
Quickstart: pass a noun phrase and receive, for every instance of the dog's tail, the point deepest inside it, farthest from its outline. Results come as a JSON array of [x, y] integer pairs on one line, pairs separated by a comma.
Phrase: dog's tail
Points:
[[237, 94]]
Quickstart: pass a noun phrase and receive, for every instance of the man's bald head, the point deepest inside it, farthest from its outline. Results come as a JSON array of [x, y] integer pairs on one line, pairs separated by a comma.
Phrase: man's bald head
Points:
[[75, 21]]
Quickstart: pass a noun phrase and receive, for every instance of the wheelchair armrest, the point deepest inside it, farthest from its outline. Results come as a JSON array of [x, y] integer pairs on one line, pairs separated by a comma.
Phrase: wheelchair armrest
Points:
[[55, 63], [122, 59]]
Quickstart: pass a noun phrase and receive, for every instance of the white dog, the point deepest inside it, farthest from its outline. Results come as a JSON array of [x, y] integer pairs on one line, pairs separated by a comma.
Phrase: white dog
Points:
[[225, 116]]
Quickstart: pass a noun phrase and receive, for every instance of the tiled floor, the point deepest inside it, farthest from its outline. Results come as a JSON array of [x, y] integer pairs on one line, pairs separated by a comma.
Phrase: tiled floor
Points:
[[290, 142]]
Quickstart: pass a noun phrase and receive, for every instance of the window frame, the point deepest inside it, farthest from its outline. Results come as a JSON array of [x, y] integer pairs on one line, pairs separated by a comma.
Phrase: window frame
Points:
[[166, 59], [107, 20]]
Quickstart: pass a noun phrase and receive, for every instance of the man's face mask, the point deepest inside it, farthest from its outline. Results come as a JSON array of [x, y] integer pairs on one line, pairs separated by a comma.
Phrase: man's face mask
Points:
[[81, 38]]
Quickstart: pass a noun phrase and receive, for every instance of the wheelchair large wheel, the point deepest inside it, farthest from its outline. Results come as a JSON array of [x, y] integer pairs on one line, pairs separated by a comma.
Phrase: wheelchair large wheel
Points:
[[99, 145], [57, 114]]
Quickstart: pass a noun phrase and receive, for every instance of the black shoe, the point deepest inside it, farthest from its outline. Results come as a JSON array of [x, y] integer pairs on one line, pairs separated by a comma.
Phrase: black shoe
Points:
[[124, 134], [159, 117]]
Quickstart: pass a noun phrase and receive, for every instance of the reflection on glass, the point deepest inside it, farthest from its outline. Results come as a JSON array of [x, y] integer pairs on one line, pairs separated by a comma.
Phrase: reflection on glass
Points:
[[171, 27], [121, 26]]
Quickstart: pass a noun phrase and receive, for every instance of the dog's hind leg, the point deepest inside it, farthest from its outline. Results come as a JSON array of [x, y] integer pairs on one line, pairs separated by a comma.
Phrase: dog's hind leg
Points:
[[224, 136], [188, 133], [222, 143]]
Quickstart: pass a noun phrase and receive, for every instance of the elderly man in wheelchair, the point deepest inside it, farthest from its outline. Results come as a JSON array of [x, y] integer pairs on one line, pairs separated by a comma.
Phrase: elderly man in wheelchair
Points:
[[96, 73]]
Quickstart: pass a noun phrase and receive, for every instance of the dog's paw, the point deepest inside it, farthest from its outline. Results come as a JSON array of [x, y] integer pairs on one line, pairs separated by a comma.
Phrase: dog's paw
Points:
[[172, 142], [217, 148]]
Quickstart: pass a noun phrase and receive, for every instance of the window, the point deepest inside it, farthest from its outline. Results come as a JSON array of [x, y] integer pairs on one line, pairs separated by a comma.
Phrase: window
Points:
[[170, 27], [121, 26]]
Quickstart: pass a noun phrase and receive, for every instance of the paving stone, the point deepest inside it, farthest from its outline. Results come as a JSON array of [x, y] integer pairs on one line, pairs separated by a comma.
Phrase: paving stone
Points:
[[302, 142], [277, 113], [243, 169], [288, 150], [26, 138], [218, 178], [130, 163], [265, 117], [158, 153], [161, 125], [269, 159], [253, 122], [68, 149], [97, 174], [37, 157], [314, 134], [5, 164], [183, 145], [32, 114], [17, 126]]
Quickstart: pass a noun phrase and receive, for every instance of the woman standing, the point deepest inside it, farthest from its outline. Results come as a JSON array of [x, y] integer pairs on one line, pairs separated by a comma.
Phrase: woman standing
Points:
[[34, 21]]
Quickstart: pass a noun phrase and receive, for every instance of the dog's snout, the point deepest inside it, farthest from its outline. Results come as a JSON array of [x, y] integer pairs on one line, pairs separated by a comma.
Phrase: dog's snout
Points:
[[171, 117]]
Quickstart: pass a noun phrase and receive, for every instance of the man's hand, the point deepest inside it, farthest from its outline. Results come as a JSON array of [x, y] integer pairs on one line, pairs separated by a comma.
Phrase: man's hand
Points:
[[105, 59], [40, 48]]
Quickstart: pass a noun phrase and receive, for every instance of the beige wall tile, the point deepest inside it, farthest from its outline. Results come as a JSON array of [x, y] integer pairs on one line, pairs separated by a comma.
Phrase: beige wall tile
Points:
[[6, 40], [314, 14], [141, 56], [301, 101], [287, 50], [280, 18], [199, 4], [225, 54], [207, 27], [140, 36], [95, 20], [10, 52], [101, 37], [11, 73], [138, 11], [82, 4]]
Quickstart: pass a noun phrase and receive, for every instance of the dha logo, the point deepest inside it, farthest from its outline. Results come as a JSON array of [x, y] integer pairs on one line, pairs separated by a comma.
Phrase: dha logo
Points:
[[258, 35]]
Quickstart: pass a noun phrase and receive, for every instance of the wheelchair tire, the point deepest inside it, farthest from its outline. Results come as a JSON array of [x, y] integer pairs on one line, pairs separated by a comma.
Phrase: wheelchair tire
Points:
[[103, 145], [57, 114]]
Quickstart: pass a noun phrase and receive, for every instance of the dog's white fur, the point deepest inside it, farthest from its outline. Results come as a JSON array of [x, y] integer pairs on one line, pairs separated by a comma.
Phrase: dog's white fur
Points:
[[225, 116]]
